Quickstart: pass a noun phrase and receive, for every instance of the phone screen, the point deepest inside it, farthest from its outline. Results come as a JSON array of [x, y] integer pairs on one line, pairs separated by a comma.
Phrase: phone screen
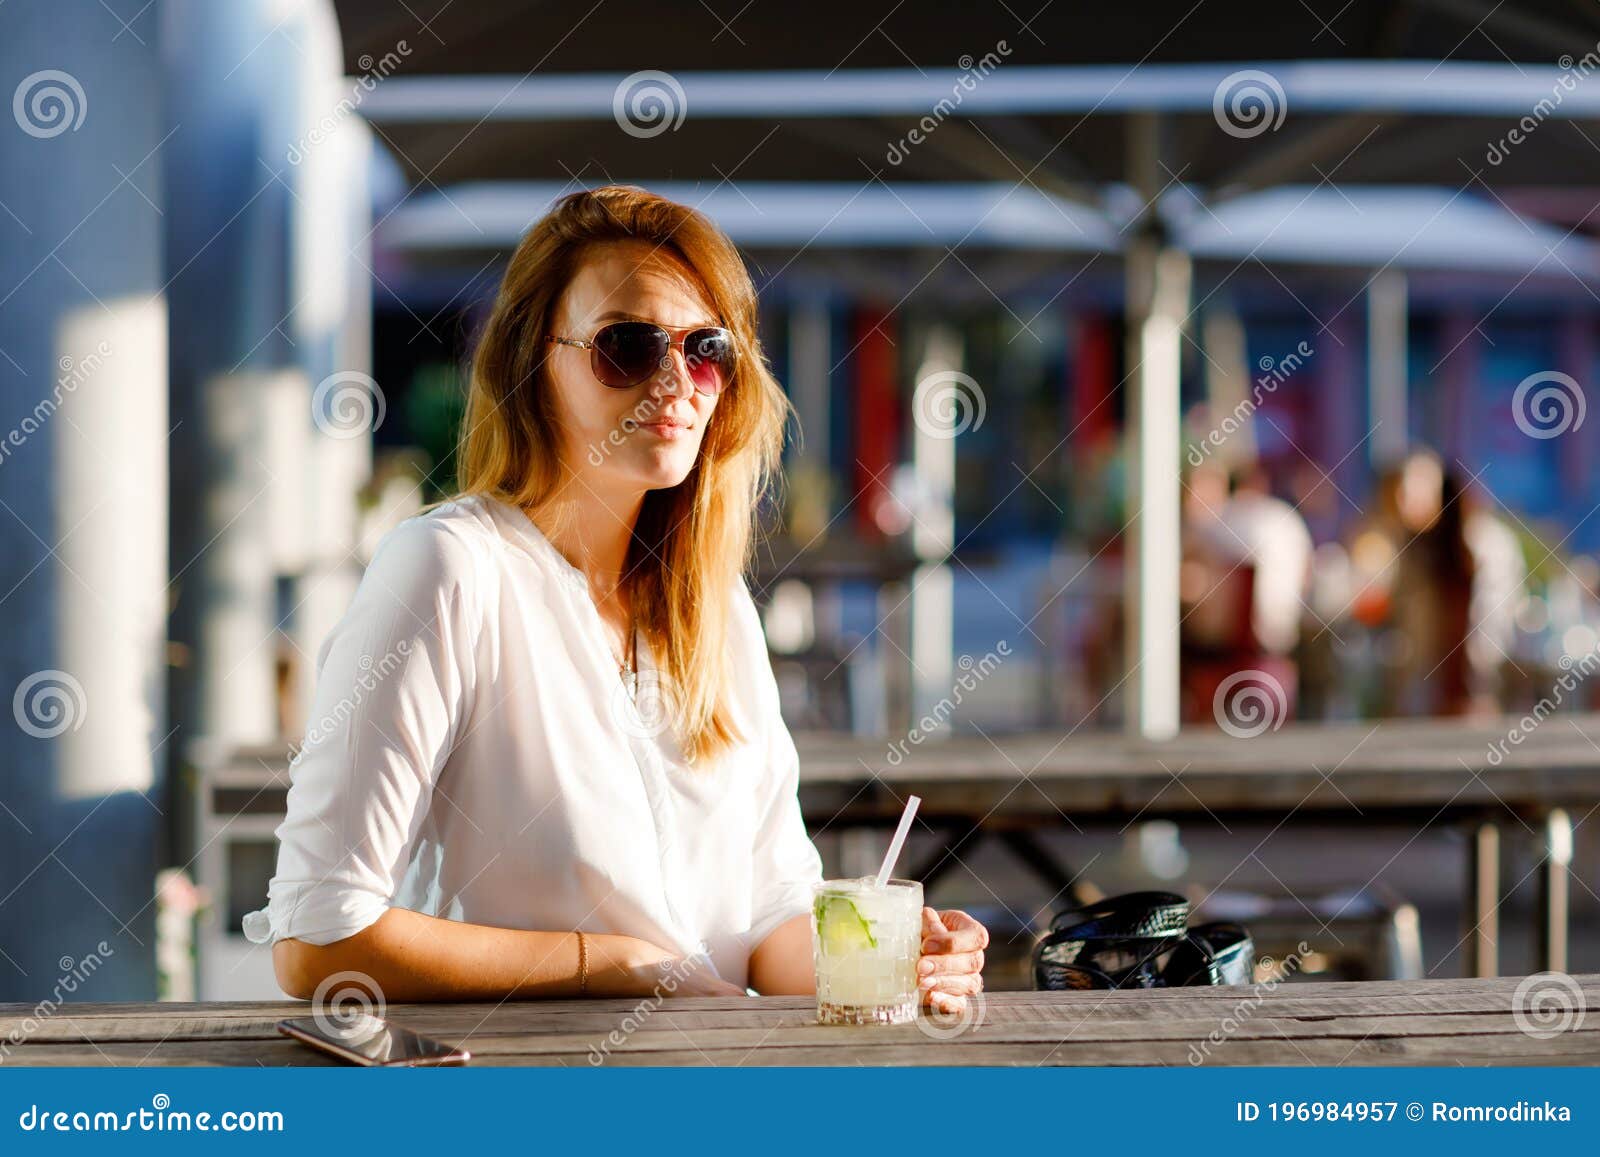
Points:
[[371, 1040]]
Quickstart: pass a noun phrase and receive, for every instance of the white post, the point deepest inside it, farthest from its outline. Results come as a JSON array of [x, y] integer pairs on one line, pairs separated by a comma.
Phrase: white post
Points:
[[1386, 366], [936, 425], [1158, 298]]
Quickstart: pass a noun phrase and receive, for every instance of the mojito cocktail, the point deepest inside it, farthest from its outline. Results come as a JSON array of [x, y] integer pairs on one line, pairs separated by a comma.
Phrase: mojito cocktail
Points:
[[866, 941]]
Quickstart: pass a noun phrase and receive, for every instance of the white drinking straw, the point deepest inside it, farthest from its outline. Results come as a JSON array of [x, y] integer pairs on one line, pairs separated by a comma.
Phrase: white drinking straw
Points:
[[899, 840]]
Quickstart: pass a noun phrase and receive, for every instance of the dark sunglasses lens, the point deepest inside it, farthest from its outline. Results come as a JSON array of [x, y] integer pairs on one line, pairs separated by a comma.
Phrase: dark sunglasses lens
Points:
[[709, 356], [627, 353]]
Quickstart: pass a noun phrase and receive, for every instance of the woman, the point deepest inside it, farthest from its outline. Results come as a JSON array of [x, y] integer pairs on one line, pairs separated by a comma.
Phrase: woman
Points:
[[548, 758]]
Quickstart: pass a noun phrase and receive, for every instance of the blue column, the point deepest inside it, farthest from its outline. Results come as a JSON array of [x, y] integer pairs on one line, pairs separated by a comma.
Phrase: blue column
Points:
[[83, 516]]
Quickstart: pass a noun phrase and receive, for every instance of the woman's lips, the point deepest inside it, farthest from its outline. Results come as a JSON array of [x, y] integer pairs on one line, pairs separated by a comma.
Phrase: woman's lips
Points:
[[668, 430]]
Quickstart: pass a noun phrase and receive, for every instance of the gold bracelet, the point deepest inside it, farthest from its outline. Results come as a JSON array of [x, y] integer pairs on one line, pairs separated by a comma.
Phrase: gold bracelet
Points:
[[583, 966]]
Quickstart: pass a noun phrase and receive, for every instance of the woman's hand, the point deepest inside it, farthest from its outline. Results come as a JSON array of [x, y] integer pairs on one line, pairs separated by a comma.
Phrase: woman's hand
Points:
[[646, 970], [951, 968]]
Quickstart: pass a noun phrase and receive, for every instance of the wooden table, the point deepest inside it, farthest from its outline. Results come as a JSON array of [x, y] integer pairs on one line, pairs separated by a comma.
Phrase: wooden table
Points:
[[1439, 1022], [1412, 773]]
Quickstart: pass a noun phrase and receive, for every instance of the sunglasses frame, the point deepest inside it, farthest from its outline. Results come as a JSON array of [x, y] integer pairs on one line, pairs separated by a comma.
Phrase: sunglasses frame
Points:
[[680, 343]]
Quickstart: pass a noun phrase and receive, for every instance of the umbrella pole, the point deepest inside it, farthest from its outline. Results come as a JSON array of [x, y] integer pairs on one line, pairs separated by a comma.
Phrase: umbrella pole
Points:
[[1157, 291]]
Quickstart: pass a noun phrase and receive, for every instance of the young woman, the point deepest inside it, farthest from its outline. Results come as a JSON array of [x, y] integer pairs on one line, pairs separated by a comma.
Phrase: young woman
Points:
[[547, 757]]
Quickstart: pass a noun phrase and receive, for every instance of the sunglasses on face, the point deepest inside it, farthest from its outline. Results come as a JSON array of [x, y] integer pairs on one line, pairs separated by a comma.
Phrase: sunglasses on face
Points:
[[626, 353]]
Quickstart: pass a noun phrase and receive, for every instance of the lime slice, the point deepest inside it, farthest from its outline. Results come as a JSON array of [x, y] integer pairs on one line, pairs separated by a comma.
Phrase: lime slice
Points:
[[841, 927]]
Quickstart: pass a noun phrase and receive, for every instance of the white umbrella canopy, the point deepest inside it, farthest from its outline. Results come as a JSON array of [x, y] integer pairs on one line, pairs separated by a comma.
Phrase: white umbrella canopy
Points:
[[1404, 228]]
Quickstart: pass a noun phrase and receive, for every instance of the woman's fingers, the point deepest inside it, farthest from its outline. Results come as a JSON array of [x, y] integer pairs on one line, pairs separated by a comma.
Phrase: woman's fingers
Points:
[[957, 984], [950, 932], [946, 1004], [706, 986], [950, 962]]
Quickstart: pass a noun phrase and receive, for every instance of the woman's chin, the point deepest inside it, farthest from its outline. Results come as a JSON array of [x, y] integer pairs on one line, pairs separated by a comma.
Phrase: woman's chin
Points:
[[663, 469]]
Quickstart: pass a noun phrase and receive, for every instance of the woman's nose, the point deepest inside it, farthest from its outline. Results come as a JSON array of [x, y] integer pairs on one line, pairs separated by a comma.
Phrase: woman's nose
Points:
[[674, 379]]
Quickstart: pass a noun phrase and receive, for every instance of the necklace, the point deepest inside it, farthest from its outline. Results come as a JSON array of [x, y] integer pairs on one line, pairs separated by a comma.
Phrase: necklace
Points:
[[629, 667]]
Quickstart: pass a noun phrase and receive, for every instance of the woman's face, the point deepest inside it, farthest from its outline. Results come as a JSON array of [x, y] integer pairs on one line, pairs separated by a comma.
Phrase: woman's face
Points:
[[644, 437]]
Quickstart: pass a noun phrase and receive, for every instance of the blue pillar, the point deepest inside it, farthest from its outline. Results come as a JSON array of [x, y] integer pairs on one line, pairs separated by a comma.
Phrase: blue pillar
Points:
[[83, 486]]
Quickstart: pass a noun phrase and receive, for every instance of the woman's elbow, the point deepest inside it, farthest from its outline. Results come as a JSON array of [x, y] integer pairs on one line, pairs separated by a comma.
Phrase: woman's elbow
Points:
[[302, 968], [299, 967]]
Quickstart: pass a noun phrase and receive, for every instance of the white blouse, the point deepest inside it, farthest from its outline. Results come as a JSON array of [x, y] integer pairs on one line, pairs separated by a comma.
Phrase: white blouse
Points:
[[475, 755]]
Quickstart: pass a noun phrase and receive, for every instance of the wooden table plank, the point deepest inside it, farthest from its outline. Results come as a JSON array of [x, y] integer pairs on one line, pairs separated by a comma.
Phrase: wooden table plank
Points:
[[1398, 1022], [1393, 764]]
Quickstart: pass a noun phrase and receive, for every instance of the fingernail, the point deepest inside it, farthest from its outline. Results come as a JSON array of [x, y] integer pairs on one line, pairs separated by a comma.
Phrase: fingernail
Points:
[[925, 966]]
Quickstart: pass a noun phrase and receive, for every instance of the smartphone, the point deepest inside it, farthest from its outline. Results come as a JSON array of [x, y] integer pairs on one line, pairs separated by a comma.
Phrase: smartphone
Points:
[[371, 1040]]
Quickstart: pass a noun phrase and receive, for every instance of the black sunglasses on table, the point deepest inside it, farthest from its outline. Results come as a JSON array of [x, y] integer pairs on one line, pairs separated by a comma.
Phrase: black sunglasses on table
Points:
[[1140, 940]]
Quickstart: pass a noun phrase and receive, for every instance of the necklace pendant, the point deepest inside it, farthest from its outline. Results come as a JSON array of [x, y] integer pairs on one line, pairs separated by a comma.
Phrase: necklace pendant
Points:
[[630, 680]]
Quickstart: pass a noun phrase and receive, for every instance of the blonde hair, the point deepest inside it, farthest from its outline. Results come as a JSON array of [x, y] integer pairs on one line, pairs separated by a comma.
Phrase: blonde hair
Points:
[[692, 541]]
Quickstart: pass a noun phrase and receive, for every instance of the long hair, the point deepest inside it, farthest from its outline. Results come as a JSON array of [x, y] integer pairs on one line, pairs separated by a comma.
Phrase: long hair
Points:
[[692, 541]]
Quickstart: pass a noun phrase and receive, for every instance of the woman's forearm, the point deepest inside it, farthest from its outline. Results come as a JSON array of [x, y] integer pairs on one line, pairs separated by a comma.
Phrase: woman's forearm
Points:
[[412, 956], [781, 964]]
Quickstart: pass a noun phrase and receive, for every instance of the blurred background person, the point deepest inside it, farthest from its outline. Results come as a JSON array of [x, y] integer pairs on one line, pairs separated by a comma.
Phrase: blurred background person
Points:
[[1247, 564]]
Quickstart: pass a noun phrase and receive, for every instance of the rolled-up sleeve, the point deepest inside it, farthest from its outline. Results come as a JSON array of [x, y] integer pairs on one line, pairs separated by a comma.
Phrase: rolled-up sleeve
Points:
[[395, 680], [786, 863]]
